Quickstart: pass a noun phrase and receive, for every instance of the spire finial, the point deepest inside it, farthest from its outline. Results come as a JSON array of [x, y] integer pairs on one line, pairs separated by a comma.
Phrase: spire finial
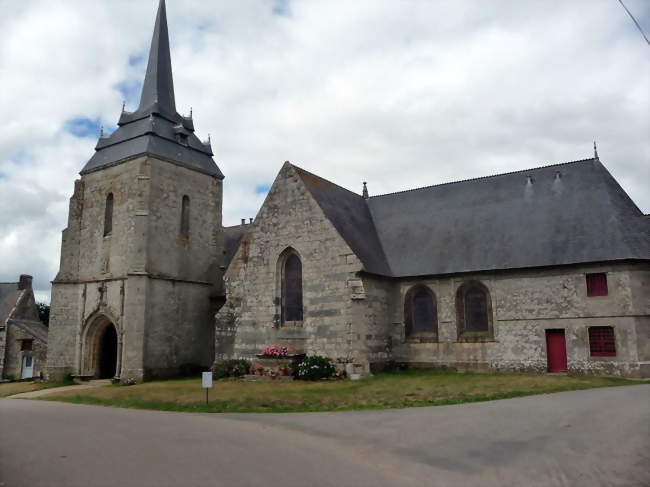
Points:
[[191, 112], [158, 84], [101, 131], [595, 151], [365, 191]]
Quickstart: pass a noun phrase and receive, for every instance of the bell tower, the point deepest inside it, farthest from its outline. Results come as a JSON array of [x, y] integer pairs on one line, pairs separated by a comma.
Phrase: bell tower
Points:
[[141, 257]]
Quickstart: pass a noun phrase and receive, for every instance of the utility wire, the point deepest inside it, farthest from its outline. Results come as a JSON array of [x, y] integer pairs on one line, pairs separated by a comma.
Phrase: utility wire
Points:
[[635, 22]]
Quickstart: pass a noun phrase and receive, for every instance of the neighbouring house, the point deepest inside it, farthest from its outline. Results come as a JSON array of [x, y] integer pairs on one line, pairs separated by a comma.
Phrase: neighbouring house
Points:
[[23, 337], [545, 269]]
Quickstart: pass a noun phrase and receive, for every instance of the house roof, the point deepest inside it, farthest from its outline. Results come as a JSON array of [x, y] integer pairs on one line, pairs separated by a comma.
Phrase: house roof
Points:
[[155, 128], [9, 294], [561, 214], [34, 328]]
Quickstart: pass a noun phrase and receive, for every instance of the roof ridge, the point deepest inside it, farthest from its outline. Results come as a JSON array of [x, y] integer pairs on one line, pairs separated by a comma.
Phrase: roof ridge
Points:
[[484, 177]]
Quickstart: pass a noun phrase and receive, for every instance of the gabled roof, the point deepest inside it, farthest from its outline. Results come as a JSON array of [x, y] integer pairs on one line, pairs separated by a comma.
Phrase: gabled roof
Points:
[[561, 214], [9, 295], [155, 128], [349, 214], [34, 328]]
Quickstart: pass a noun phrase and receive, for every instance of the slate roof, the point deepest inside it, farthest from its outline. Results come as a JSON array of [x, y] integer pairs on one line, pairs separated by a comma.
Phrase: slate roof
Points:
[[232, 237], [351, 217], [561, 214], [155, 128], [9, 294], [34, 328]]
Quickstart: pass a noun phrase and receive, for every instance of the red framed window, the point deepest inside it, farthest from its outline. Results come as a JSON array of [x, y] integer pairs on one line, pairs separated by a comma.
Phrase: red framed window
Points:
[[602, 342], [597, 284], [26, 345]]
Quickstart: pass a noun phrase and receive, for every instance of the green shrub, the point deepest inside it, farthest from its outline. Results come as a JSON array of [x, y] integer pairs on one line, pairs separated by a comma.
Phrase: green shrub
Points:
[[315, 368], [230, 368]]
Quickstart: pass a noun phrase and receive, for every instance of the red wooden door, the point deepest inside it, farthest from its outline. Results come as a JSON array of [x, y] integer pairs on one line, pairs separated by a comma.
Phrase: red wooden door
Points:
[[556, 351]]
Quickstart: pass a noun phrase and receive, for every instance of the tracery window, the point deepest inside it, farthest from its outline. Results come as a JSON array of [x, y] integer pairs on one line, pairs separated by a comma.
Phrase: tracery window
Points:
[[474, 312], [420, 313]]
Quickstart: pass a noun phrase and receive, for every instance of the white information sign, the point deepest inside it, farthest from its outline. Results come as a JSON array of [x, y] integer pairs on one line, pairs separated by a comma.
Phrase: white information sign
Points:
[[207, 380]]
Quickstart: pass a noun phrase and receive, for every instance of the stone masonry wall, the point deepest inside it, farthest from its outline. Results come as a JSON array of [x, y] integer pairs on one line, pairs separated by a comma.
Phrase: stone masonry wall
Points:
[[525, 304], [14, 355], [249, 320], [154, 285]]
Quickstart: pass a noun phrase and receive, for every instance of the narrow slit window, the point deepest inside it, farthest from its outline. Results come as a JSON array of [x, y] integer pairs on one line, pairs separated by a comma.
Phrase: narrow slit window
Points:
[[597, 284], [185, 217], [108, 215], [602, 341]]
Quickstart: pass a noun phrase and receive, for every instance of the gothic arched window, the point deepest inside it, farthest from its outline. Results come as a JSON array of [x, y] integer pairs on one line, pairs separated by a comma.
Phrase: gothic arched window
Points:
[[420, 313], [185, 217], [474, 310], [291, 285], [108, 215]]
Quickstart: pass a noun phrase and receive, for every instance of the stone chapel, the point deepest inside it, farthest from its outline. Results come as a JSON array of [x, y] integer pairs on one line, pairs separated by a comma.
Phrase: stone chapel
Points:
[[545, 269]]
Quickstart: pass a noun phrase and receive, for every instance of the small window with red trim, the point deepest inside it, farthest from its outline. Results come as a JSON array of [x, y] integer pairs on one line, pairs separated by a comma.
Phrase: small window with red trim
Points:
[[597, 284], [602, 342], [26, 345]]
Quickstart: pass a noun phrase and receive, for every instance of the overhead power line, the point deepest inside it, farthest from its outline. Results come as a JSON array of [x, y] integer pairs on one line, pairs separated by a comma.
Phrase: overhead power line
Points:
[[635, 22]]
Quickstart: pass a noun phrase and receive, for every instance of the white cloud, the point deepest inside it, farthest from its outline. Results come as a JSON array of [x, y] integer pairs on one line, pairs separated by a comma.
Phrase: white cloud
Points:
[[401, 94]]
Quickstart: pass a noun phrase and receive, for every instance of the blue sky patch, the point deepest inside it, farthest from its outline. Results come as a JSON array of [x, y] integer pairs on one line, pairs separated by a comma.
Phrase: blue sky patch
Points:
[[262, 188], [280, 7], [130, 91], [137, 59], [83, 127]]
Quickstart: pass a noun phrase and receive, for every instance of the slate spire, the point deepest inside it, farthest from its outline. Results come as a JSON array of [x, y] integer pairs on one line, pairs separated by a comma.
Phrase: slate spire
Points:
[[158, 88], [155, 128]]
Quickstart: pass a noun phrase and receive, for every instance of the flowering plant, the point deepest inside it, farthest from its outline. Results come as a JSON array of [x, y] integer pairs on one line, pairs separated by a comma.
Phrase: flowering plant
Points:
[[275, 351], [315, 368]]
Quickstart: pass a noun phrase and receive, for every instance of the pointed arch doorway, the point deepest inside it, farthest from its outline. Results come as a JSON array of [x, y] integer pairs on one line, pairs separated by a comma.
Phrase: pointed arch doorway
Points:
[[101, 349]]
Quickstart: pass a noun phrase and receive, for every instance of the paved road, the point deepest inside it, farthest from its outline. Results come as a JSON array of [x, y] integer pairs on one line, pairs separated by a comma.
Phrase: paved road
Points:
[[599, 437]]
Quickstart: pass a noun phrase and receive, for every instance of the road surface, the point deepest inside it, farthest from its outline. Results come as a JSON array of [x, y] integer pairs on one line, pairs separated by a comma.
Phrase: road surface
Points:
[[598, 437]]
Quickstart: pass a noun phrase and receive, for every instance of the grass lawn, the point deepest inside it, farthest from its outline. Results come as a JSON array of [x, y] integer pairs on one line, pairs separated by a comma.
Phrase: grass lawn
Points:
[[386, 390], [11, 388]]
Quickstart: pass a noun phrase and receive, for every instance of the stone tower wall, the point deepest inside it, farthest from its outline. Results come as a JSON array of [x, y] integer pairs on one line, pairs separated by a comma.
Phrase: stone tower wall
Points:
[[152, 284]]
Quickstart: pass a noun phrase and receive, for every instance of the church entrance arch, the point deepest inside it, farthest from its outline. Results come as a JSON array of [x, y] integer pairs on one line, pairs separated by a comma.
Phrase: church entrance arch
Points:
[[101, 349]]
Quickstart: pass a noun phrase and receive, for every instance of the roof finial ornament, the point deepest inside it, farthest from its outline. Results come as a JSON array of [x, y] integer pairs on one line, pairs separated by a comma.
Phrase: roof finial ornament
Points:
[[191, 111], [596, 152], [365, 191], [123, 106], [209, 139], [101, 131]]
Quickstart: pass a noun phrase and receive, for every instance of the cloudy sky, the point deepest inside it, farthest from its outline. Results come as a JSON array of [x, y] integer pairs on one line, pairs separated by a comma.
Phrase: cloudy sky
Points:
[[397, 93]]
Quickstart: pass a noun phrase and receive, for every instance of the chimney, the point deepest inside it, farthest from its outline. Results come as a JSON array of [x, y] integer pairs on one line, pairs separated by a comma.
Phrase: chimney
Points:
[[243, 222], [250, 220], [25, 282]]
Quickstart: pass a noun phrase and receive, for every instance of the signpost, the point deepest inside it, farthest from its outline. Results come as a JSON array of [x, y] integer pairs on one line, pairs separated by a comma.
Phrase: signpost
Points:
[[207, 384]]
